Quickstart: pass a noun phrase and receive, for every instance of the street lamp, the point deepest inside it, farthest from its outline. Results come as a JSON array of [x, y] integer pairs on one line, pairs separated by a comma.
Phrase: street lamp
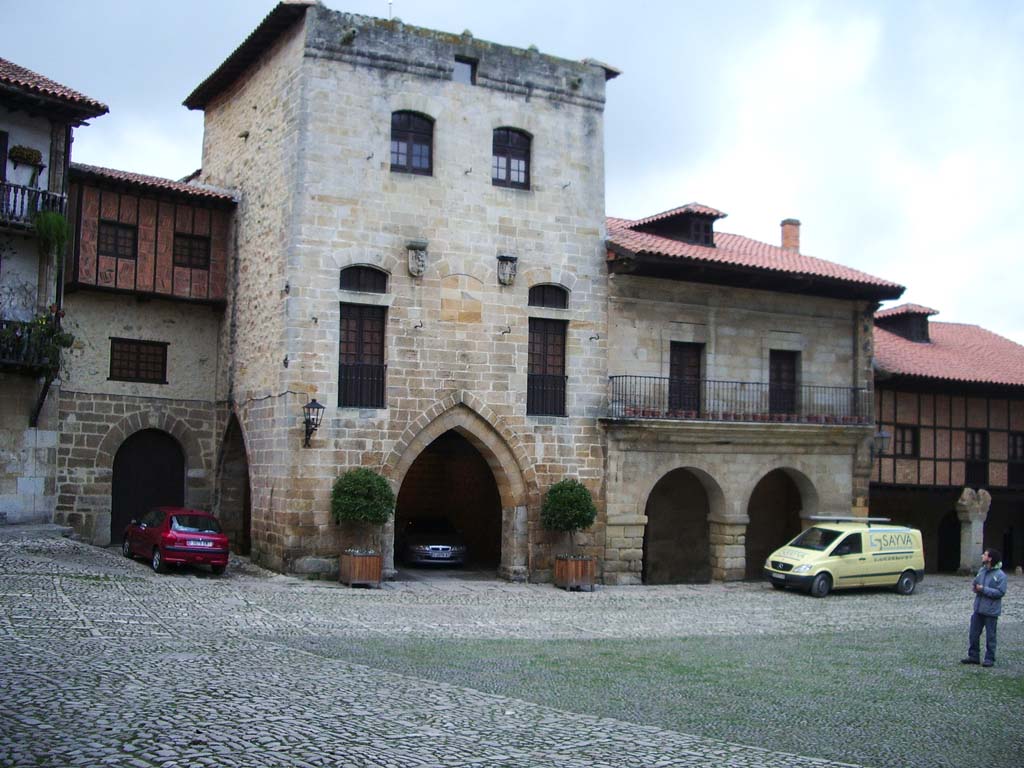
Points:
[[312, 415]]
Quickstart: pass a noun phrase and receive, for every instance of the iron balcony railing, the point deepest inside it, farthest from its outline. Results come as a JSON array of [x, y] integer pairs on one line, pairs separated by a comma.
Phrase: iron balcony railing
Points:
[[545, 394], [20, 204], [22, 345], [362, 385], [656, 397]]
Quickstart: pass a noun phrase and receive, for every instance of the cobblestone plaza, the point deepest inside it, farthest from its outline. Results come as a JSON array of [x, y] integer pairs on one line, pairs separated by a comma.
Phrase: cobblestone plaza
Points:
[[106, 663]]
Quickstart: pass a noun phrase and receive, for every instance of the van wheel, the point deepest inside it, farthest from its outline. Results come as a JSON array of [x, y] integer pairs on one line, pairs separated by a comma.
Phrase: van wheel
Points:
[[157, 562], [906, 584], [821, 585]]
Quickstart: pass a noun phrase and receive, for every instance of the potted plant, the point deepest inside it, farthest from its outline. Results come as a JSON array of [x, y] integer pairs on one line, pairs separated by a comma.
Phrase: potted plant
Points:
[[568, 507], [363, 498]]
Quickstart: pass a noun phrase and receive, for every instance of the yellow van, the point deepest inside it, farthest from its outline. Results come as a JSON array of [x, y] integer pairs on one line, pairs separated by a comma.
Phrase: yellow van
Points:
[[840, 552]]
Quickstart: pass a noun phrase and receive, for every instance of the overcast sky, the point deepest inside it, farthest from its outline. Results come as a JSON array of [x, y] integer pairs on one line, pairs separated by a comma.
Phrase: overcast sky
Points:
[[892, 130]]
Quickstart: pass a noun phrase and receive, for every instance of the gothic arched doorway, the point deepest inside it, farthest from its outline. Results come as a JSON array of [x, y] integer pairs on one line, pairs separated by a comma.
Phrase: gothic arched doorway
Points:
[[234, 505]]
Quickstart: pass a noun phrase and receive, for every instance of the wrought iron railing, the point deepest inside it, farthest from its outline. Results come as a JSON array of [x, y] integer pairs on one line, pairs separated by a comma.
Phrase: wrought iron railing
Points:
[[362, 385], [656, 397], [545, 394], [20, 204], [22, 345]]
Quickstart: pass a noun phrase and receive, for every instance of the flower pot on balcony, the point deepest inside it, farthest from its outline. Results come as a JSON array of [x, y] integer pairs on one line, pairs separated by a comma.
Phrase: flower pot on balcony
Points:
[[358, 567], [575, 572]]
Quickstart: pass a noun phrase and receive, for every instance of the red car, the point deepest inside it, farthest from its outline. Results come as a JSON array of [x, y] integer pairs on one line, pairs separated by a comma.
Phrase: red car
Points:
[[177, 536]]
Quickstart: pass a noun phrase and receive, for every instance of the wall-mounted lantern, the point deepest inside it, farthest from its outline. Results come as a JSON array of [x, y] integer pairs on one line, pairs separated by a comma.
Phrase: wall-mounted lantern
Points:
[[880, 444], [312, 415]]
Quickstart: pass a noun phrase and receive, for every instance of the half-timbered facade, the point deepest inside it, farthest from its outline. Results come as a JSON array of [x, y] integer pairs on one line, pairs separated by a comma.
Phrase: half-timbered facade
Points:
[[951, 398]]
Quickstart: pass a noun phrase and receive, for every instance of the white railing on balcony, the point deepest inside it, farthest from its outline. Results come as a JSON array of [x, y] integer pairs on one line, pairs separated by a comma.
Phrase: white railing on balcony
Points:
[[20, 204]]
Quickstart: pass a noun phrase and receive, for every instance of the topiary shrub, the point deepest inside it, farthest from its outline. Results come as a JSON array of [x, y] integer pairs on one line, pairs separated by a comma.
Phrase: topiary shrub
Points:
[[362, 496], [568, 507]]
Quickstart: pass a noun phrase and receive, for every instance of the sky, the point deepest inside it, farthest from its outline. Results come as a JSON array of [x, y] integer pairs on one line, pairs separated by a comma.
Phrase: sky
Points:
[[893, 130]]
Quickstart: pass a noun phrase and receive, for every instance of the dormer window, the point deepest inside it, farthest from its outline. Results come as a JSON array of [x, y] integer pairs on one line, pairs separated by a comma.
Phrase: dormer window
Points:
[[907, 320], [692, 223]]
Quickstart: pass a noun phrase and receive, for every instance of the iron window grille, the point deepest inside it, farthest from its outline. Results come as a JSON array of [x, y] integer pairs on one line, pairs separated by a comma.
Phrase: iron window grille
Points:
[[118, 240], [136, 360], [364, 280], [191, 251], [551, 296], [362, 374]]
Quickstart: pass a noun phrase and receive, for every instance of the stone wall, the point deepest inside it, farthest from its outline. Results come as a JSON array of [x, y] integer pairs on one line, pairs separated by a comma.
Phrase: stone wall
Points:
[[456, 338], [27, 455]]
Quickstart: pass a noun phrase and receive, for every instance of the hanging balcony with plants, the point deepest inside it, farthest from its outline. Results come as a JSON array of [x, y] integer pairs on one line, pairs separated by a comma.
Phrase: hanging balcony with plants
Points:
[[21, 203]]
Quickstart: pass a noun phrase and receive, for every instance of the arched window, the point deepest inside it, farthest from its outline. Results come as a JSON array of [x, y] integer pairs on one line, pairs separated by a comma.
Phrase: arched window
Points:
[[510, 158], [412, 140], [365, 279], [551, 296]]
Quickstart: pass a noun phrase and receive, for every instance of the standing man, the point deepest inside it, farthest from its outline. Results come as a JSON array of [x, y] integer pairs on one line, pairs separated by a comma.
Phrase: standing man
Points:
[[989, 588]]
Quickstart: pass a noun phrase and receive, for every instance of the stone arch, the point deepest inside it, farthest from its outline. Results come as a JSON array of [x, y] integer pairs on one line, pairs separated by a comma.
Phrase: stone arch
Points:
[[504, 453], [551, 276], [385, 262], [232, 501], [778, 506], [679, 508]]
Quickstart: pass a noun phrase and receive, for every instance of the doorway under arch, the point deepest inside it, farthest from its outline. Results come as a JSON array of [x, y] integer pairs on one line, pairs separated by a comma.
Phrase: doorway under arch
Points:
[[234, 499], [149, 471], [948, 560], [677, 539], [451, 480], [774, 512]]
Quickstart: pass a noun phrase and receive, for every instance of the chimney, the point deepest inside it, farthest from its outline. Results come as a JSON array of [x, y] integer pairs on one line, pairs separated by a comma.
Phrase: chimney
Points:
[[791, 235]]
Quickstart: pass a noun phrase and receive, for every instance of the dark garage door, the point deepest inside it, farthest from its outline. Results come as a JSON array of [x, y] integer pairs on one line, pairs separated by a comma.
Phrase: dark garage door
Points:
[[149, 471]]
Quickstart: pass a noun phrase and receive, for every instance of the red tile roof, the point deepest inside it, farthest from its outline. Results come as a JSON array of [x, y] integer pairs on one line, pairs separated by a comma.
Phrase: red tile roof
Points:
[[743, 252], [704, 210], [154, 183], [905, 309], [19, 78], [956, 352]]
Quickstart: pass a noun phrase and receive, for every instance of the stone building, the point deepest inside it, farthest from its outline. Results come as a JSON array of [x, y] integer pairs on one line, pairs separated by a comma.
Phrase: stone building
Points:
[[739, 400], [951, 397], [145, 292], [37, 117], [420, 248]]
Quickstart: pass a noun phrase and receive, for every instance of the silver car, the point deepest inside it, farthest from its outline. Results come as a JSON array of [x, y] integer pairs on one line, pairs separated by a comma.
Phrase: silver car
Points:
[[429, 540]]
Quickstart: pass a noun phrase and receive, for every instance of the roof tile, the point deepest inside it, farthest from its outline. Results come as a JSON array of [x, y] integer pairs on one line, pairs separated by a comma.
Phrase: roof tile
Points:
[[155, 183], [956, 352], [12, 74], [905, 309]]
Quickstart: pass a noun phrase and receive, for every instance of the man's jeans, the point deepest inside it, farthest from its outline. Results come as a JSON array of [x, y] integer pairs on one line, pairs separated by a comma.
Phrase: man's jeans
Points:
[[979, 621]]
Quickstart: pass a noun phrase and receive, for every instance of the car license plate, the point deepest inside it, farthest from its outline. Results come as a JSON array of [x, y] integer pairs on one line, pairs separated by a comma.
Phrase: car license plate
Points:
[[778, 577], [199, 543], [440, 555]]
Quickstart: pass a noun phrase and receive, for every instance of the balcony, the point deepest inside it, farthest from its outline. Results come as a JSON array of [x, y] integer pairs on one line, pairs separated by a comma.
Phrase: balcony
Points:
[[24, 347], [19, 204], [655, 397], [362, 385]]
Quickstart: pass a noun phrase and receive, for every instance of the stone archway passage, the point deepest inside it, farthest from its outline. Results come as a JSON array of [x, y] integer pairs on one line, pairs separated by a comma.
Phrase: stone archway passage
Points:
[[149, 471], [774, 513], [450, 479], [234, 507], [677, 542]]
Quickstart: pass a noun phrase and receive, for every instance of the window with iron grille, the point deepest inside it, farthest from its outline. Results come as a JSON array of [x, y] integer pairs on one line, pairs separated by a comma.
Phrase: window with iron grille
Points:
[[135, 360], [545, 380], [119, 240], [1016, 456], [977, 457], [905, 442], [510, 158], [362, 373], [191, 251], [412, 140], [364, 279], [551, 296]]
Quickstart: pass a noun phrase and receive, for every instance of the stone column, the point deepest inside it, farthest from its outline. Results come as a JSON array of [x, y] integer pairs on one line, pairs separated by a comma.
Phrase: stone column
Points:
[[728, 550], [972, 510]]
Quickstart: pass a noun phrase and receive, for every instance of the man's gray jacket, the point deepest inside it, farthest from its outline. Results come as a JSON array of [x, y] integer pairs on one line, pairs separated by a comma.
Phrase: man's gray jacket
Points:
[[989, 602]]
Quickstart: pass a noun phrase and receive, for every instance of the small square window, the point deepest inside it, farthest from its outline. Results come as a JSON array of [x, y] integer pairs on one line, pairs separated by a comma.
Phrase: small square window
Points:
[[191, 251], [905, 442], [464, 71], [118, 240], [134, 360]]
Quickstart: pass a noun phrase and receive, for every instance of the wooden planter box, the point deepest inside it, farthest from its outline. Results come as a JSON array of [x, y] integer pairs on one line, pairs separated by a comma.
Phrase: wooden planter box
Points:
[[575, 573], [360, 569]]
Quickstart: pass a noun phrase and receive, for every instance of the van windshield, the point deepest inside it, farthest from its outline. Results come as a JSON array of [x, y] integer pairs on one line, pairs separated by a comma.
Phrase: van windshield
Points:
[[816, 538]]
